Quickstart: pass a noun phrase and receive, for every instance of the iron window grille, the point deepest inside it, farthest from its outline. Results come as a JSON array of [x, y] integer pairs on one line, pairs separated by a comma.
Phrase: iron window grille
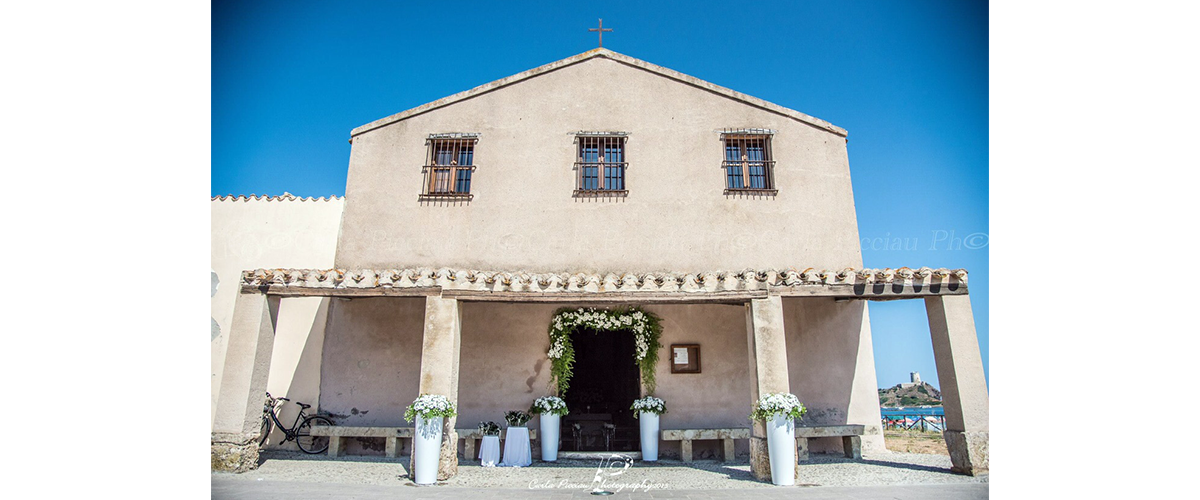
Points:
[[449, 163], [748, 164], [600, 164]]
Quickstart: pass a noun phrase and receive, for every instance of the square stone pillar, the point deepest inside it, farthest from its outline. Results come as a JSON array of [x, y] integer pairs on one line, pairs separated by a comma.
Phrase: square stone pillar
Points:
[[960, 374], [768, 370], [439, 370], [244, 383]]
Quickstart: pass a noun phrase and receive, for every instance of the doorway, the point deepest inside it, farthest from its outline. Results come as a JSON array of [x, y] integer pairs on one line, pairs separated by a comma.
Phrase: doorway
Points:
[[604, 384]]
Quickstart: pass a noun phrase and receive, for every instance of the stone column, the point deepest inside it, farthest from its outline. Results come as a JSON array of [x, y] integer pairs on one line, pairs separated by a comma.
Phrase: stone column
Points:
[[768, 370], [960, 373], [244, 383], [439, 370]]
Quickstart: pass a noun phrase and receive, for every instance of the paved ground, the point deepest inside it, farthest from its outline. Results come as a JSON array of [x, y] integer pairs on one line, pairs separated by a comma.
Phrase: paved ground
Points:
[[881, 475], [229, 488]]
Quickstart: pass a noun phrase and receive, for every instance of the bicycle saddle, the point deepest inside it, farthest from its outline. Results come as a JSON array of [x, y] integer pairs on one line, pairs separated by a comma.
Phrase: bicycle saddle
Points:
[[304, 406]]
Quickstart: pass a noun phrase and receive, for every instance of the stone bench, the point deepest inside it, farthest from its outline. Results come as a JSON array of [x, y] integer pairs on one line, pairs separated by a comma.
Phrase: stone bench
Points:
[[468, 437], [851, 438], [686, 436], [392, 436]]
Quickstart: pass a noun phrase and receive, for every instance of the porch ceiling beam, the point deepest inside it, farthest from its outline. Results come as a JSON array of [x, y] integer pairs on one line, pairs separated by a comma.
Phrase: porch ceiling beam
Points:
[[729, 297], [872, 291], [302, 291], [669, 287]]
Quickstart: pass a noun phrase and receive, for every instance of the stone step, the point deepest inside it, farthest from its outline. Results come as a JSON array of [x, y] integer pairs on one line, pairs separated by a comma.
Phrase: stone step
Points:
[[596, 455]]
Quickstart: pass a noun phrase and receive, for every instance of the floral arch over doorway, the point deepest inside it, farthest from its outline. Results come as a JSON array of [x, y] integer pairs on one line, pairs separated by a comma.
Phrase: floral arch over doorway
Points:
[[646, 328]]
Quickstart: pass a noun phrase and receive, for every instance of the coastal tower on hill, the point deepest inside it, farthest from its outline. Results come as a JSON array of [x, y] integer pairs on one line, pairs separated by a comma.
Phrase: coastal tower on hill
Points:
[[914, 379]]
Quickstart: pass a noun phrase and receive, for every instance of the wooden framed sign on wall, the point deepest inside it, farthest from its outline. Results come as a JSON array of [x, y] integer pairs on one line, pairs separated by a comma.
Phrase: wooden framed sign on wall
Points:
[[685, 358]]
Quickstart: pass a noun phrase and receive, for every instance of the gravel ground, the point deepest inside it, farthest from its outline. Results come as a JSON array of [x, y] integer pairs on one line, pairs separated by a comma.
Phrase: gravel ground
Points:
[[885, 468]]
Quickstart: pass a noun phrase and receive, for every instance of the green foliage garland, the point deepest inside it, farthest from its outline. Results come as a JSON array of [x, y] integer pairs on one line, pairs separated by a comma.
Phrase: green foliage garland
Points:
[[646, 328]]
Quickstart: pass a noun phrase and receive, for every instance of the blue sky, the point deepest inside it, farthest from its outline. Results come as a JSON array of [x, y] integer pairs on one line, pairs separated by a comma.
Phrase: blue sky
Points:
[[909, 80]]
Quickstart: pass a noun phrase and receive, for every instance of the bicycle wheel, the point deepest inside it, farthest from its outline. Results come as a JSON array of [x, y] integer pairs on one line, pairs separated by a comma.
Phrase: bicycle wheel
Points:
[[312, 444], [265, 431]]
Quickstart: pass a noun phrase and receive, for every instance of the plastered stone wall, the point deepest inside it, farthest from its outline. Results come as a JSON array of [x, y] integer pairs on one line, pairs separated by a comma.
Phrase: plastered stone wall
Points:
[[831, 367], [372, 360], [250, 233], [718, 396], [504, 364], [371, 364], [524, 217]]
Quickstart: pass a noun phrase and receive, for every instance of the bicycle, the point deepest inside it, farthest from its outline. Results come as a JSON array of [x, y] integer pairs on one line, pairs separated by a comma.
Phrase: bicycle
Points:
[[300, 430]]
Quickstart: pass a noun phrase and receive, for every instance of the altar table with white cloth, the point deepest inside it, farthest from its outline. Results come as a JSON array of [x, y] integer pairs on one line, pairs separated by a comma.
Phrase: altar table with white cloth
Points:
[[517, 452], [489, 451]]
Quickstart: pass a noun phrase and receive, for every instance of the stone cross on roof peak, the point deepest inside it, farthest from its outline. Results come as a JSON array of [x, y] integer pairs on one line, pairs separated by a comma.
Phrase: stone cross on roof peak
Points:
[[600, 31]]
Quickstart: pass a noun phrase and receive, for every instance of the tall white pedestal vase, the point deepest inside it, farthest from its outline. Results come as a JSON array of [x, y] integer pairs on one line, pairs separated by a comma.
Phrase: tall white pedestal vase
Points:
[[647, 410], [779, 412], [427, 449], [550, 410], [549, 436], [649, 424], [781, 448], [428, 410]]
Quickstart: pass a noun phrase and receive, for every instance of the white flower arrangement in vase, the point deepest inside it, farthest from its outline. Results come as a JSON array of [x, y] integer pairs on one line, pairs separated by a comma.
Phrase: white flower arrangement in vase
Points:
[[779, 412], [428, 410], [647, 410], [648, 404], [550, 405], [550, 410], [516, 418], [429, 406], [489, 428], [771, 405]]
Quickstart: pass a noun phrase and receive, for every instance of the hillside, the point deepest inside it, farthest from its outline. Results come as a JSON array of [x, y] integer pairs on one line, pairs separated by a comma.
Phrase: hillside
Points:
[[921, 394]]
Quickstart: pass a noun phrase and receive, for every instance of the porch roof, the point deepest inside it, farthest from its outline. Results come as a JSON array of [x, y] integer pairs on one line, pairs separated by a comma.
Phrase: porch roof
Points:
[[708, 286]]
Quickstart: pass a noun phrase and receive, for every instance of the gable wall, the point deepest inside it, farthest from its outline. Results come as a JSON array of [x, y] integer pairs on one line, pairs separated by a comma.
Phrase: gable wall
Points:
[[523, 216]]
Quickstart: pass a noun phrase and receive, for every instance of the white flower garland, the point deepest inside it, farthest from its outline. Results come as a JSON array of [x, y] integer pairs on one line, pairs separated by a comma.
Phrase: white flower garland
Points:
[[567, 321], [643, 325]]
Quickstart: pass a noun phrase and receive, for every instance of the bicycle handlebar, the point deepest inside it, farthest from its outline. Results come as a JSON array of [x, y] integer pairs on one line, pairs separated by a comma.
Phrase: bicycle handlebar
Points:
[[270, 403]]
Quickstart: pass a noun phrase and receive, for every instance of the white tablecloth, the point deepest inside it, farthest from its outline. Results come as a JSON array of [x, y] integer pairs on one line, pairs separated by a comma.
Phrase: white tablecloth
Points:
[[516, 448], [489, 451]]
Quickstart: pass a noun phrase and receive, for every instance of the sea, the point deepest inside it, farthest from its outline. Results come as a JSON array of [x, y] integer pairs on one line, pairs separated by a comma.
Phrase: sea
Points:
[[912, 410], [912, 415]]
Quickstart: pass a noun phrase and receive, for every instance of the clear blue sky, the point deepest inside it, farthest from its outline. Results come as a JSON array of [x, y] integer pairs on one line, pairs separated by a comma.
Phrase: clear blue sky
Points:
[[908, 79]]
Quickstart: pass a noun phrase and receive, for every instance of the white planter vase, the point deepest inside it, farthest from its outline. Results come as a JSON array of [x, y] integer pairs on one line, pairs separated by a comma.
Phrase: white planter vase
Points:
[[427, 449], [649, 425], [549, 436], [781, 449]]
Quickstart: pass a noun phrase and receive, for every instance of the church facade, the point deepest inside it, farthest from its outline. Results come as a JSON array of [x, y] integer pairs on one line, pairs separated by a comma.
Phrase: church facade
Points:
[[598, 181]]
